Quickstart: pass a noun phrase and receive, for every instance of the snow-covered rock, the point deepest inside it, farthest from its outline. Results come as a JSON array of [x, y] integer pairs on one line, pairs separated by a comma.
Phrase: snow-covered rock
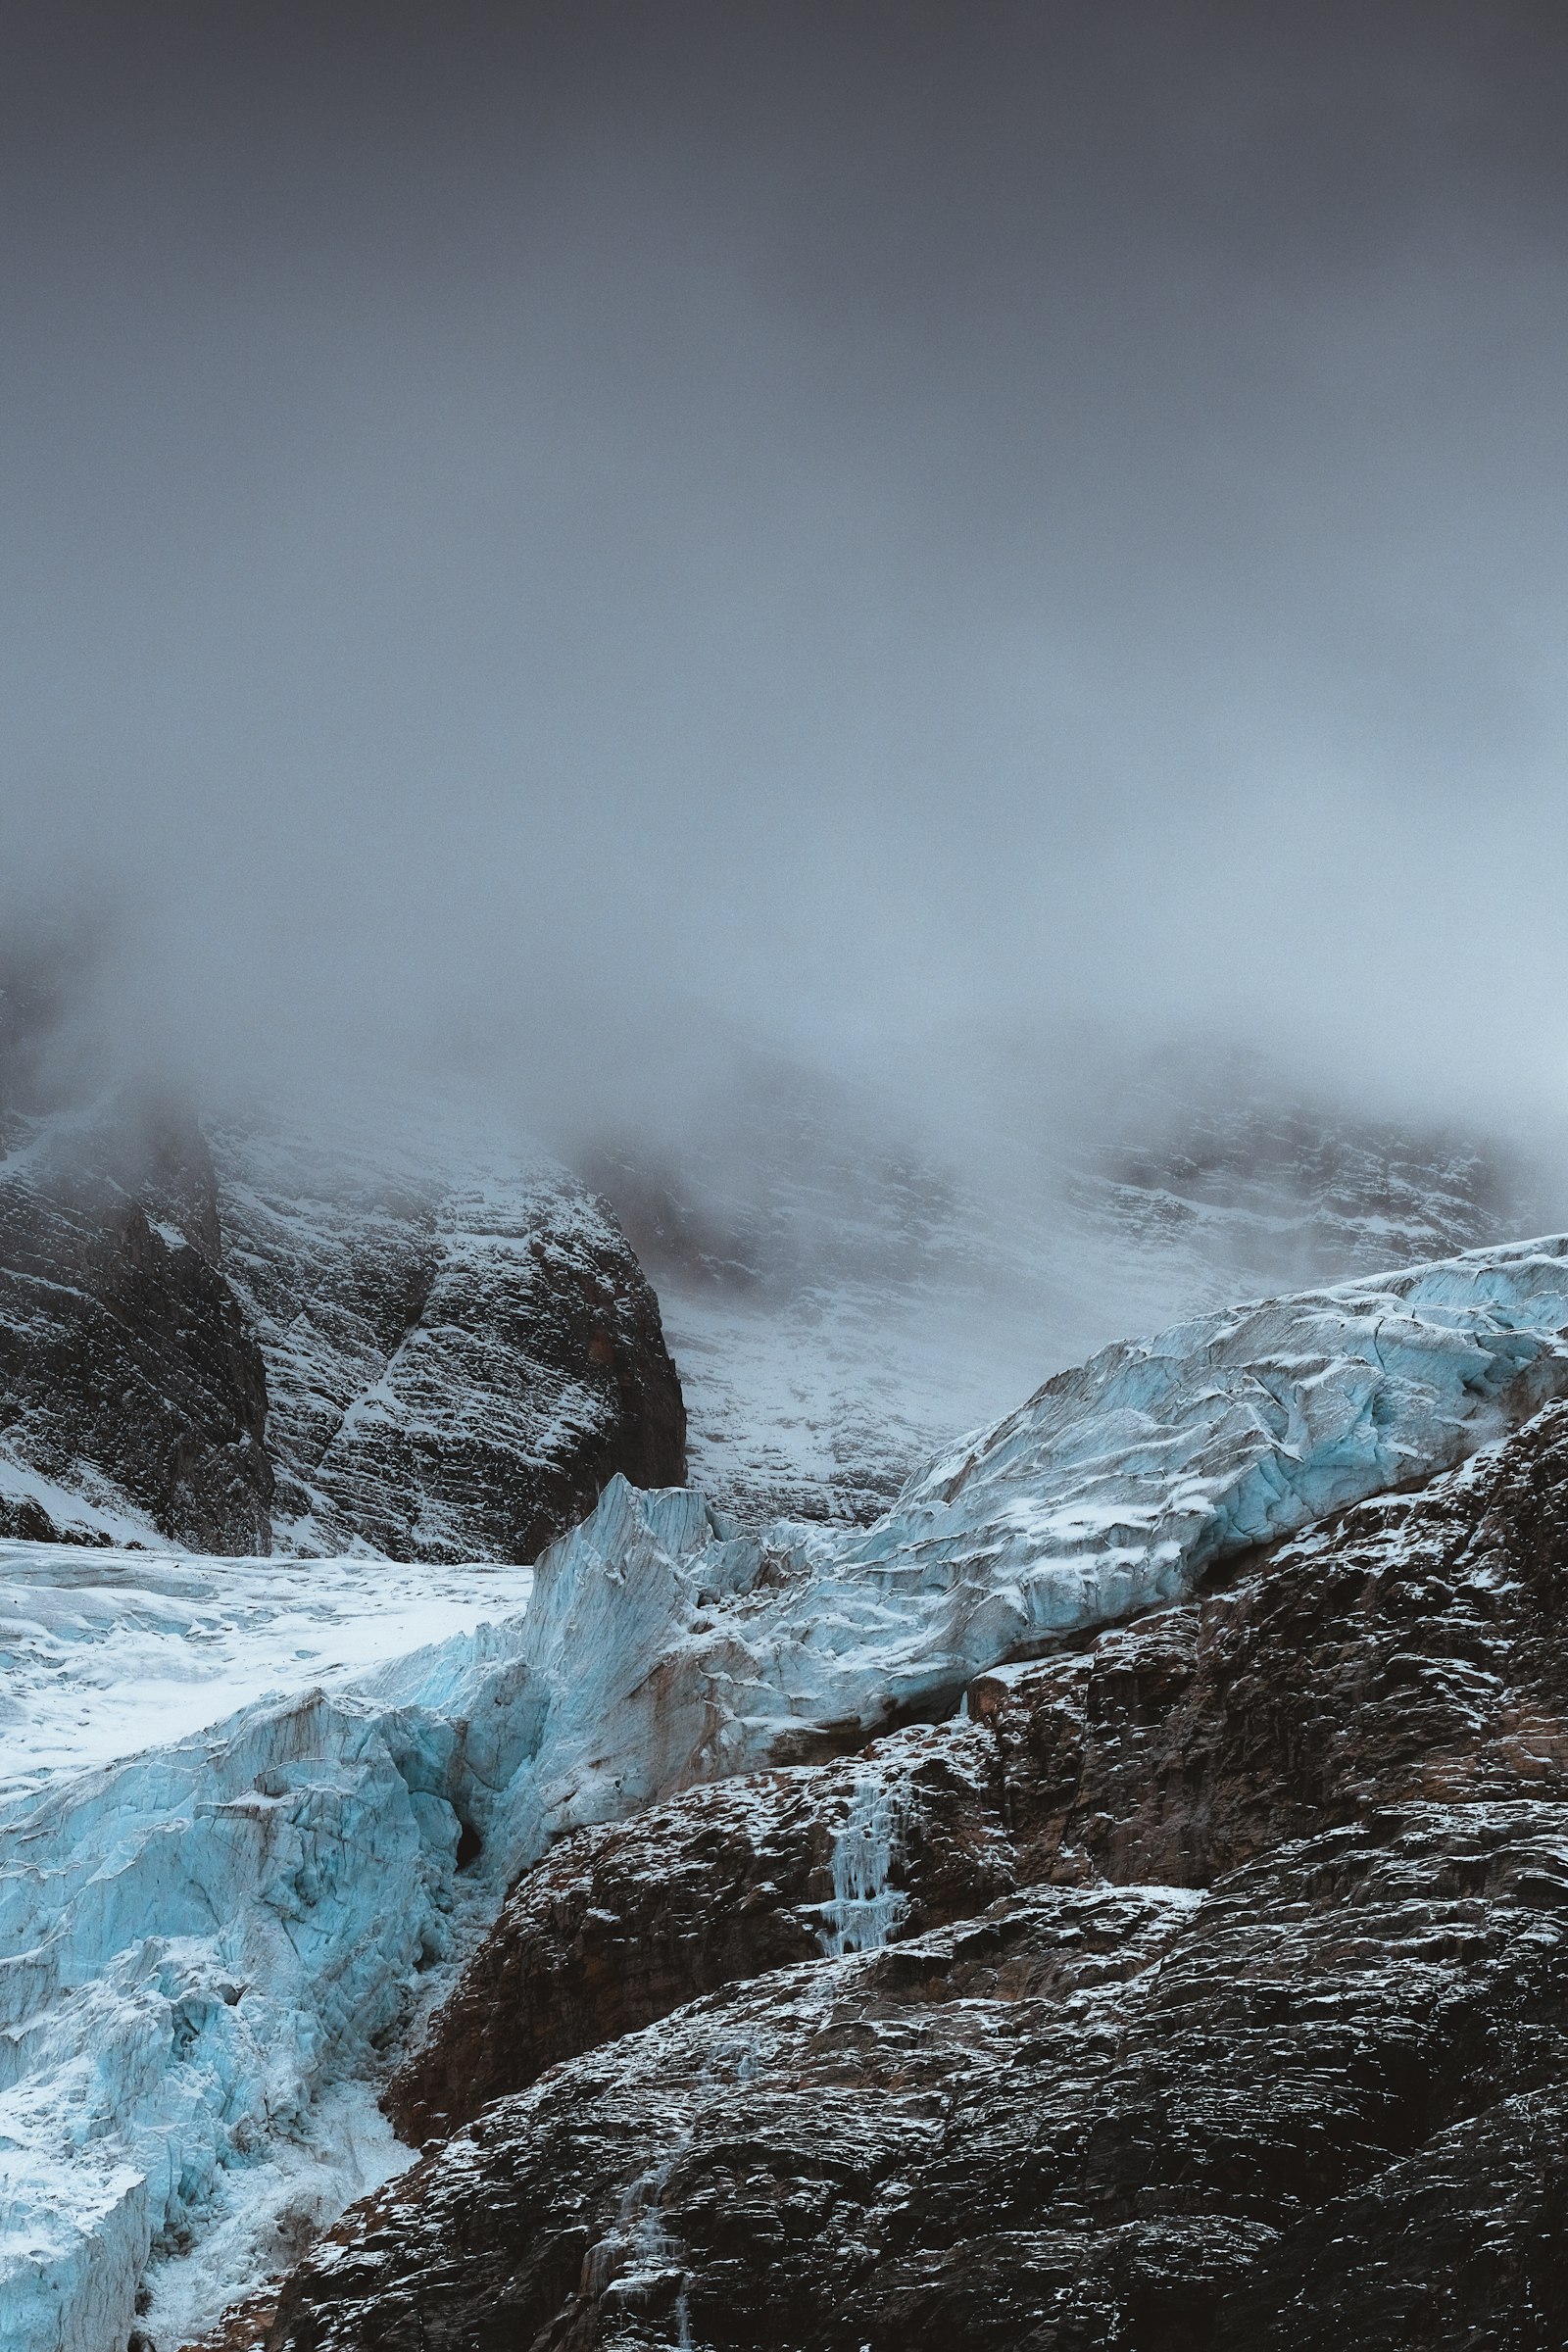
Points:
[[461, 1348], [204, 1946]]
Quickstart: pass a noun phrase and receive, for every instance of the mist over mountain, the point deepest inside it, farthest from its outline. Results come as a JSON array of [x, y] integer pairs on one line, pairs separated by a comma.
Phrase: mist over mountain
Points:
[[783, 1176], [547, 546]]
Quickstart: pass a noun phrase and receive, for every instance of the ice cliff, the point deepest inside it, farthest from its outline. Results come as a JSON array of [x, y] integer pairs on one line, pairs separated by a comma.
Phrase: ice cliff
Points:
[[204, 1948]]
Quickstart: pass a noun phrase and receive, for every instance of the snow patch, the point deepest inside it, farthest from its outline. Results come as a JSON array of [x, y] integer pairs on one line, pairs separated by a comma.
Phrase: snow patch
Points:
[[103, 1652]]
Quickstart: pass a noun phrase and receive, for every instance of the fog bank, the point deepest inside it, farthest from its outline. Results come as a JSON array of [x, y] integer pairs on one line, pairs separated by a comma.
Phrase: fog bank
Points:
[[566, 547]]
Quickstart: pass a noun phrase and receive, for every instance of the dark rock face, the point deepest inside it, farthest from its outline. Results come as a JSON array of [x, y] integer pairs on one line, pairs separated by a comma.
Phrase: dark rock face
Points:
[[132, 1393], [621, 1925], [269, 1351], [459, 1354], [375, 1343], [1224, 2004]]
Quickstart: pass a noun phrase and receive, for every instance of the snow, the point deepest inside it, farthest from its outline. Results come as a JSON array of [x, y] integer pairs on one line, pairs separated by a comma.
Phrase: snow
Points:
[[207, 1949], [103, 1652], [200, 1941]]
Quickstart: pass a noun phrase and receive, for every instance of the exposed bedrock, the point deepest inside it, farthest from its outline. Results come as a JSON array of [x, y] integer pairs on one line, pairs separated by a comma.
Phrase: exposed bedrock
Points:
[[1216, 1997], [133, 1390], [422, 1351], [462, 1348]]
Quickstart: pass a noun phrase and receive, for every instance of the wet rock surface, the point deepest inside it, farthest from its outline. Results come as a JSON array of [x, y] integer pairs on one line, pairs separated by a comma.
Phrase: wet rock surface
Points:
[[1221, 2001]]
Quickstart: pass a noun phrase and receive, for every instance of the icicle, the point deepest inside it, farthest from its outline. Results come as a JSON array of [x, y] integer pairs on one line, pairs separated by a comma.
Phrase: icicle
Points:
[[864, 1908]]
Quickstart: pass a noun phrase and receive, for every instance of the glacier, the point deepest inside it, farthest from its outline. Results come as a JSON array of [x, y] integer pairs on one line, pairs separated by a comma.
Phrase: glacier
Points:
[[105, 1652], [208, 1949]]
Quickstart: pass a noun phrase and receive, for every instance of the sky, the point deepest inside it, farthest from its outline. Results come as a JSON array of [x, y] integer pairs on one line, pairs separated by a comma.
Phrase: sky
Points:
[[541, 538]]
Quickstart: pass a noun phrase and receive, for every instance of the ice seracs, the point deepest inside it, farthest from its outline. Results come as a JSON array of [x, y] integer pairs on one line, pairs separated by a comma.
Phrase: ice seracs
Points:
[[203, 1947]]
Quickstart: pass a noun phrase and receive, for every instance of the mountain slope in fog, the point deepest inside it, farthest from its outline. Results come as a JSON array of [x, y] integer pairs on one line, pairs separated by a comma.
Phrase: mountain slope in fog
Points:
[[399, 1339], [841, 1297]]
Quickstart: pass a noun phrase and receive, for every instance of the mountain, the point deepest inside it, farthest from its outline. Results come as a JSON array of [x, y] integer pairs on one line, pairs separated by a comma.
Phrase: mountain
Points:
[[382, 1339], [845, 1287], [789, 1759], [461, 1348], [133, 1386]]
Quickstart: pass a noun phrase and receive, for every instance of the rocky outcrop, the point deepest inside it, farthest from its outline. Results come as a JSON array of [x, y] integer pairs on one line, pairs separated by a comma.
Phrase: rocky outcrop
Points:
[[390, 1343], [462, 1348], [133, 1390], [1215, 1992], [1092, 2117], [621, 1925]]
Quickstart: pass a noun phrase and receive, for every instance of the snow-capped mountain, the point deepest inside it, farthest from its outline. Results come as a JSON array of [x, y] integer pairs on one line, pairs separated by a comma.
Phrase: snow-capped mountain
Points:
[[223, 1937]]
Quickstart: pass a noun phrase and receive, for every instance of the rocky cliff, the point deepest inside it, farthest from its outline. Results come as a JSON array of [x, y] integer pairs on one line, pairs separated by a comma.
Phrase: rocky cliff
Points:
[[132, 1386], [417, 1347], [461, 1348]]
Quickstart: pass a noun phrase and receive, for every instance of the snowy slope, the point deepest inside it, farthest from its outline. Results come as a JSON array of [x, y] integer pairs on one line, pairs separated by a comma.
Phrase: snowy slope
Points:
[[104, 1652], [212, 1944], [843, 1290]]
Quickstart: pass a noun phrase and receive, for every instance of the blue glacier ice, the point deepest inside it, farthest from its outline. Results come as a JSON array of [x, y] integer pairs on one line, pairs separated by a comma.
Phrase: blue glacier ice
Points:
[[207, 1949], [865, 1905]]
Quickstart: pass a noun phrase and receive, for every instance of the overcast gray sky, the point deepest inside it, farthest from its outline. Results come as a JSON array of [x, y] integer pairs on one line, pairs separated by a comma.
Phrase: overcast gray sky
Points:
[[531, 531]]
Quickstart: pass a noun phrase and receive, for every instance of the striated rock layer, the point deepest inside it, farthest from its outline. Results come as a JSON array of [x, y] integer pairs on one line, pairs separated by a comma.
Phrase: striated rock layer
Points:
[[434, 1350], [132, 1387], [1216, 1997], [462, 1348]]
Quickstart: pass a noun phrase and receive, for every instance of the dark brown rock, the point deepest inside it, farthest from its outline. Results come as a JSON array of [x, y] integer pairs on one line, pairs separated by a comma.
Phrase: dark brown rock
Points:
[[621, 1925]]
